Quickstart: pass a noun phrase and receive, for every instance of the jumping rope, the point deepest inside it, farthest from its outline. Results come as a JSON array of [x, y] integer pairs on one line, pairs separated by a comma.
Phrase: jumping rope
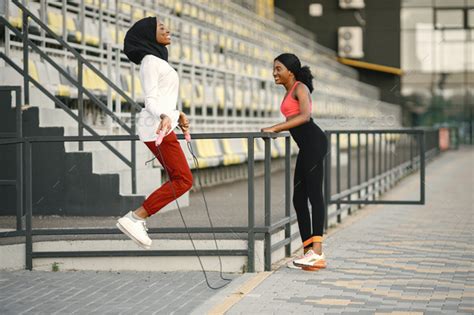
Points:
[[196, 164]]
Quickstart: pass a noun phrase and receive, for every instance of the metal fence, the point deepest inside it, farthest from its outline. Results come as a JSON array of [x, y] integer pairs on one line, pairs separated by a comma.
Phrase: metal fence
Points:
[[382, 165]]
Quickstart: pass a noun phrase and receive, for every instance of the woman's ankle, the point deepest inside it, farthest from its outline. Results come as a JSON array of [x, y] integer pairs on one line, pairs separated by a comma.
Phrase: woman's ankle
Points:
[[318, 248], [141, 213]]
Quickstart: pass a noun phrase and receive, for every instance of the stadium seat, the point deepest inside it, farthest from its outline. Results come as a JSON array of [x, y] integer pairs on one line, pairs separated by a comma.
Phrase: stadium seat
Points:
[[48, 74], [261, 147], [209, 152], [138, 86], [186, 53], [91, 30], [235, 151], [174, 52], [16, 19], [185, 92], [198, 98], [220, 95], [33, 71]]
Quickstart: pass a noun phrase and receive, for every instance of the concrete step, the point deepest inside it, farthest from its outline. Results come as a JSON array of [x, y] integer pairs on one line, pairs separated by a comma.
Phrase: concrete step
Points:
[[56, 117], [105, 161], [148, 179], [95, 145], [8, 76]]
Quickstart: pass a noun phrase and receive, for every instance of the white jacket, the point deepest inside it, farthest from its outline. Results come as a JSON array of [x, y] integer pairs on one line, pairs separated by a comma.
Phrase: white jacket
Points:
[[160, 84]]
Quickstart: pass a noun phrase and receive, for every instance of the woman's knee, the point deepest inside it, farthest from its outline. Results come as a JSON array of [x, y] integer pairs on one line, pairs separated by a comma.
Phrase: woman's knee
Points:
[[188, 180], [299, 201]]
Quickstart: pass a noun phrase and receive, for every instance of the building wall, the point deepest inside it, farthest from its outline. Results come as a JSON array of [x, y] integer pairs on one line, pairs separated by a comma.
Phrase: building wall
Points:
[[381, 24]]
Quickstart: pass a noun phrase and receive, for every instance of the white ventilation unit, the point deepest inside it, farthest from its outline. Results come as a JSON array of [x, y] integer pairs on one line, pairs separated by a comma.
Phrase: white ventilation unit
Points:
[[350, 42], [315, 9], [351, 4]]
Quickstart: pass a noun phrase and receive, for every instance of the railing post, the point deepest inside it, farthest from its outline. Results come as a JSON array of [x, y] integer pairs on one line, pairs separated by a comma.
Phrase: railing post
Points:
[[367, 164], [327, 182], [374, 170], [359, 180], [133, 159], [80, 102], [64, 13], [118, 101], [6, 30], [29, 207], [26, 58], [82, 21], [392, 158], [338, 173], [383, 163], [19, 163], [421, 141], [251, 206], [349, 170], [288, 193], [380, 165], [109, 121], [267, 201]]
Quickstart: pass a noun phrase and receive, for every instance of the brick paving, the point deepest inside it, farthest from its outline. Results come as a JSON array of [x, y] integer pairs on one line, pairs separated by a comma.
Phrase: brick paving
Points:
[[388, 259], [416, 259]]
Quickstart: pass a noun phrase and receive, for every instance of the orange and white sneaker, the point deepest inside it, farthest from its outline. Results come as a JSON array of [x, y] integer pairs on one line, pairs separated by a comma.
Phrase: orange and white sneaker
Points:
[[292, 265], [311, 261]]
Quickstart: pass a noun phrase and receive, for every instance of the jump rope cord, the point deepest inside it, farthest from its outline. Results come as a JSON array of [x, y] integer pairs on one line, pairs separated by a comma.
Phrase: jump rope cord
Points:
[[189, 234], [202, 191], [196, 164]]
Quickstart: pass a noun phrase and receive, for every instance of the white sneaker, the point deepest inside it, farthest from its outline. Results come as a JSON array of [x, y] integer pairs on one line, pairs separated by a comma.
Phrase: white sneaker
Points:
[[311, 259], [135, 229], [292, 265]]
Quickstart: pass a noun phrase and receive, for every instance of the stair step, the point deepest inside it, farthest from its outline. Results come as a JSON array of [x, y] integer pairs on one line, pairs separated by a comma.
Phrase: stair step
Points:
[[148, 180], [56, 117]]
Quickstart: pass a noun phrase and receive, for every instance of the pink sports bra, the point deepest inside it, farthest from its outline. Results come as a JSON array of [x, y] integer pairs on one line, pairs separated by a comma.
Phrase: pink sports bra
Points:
[[291, 106]]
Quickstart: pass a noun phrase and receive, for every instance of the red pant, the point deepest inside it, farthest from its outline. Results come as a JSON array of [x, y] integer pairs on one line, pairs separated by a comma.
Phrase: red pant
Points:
[[181, 178]]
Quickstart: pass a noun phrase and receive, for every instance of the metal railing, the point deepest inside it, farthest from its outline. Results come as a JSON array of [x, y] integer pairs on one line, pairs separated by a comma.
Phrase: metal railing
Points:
[[407, 157], [251, 230], [79, 84], [381, 158]]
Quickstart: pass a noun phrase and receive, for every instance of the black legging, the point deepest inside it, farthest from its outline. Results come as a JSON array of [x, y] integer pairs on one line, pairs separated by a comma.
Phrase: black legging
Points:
[[308, 180]]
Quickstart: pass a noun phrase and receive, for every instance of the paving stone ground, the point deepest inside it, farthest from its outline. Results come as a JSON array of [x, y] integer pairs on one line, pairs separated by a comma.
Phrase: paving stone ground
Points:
[[80, 292], [389, 259], [409, 258]]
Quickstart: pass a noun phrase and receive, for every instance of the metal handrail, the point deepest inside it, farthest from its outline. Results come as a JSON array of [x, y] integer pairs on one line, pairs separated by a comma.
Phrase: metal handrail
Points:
[[251, 230], [74, 52], [79, 84], [65, 108], [416, 157], [65, 74]]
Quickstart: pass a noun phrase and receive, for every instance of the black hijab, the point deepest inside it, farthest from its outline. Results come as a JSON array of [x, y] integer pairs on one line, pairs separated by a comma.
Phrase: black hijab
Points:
[[140, 41]]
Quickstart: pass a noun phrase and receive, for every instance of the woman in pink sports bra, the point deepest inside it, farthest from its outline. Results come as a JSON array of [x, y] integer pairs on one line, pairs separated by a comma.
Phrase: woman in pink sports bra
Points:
[[313, 145]]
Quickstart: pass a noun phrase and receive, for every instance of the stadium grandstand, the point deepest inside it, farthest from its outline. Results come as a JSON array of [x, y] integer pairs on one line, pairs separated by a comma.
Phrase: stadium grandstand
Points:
[[223, 53]]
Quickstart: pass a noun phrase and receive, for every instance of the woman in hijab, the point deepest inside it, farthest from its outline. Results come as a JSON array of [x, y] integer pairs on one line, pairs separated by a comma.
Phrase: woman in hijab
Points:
[[145, 45], [313, 145]]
